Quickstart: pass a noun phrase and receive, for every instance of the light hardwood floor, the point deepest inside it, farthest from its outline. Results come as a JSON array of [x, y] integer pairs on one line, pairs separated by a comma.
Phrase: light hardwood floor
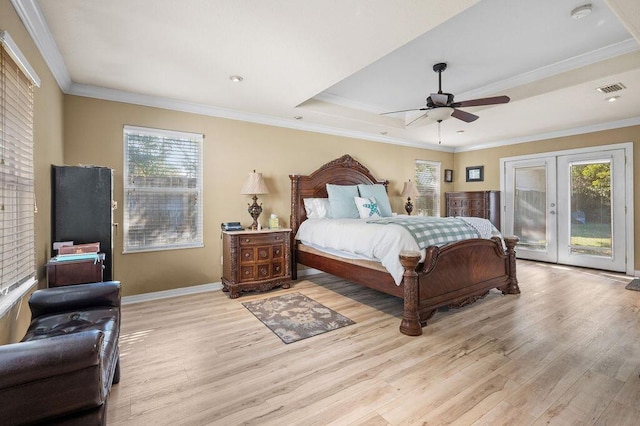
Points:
[[565, 351]]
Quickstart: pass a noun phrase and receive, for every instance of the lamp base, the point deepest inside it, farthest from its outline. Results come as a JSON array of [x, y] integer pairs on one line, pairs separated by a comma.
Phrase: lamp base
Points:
[[408, 206], [255, 210]]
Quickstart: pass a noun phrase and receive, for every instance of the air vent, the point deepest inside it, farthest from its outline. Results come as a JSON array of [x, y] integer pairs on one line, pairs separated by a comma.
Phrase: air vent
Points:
[[610, 88]]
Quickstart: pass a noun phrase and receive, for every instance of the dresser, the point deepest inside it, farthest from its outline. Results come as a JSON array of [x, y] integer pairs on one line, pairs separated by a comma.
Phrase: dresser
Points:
[[255, 260], [484, 204]]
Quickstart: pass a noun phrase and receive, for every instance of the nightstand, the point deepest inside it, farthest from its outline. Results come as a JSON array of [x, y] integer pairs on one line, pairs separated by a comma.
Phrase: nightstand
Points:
[[255, 260]]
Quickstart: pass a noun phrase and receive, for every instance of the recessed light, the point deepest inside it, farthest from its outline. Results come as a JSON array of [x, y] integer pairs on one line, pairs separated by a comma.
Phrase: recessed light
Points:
[[236, 78], [611, 98], [581, 11], [460, 131]]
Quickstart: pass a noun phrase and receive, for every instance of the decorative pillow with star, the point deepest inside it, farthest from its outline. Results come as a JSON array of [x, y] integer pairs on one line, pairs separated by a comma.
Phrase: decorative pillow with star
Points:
[[367, 207]]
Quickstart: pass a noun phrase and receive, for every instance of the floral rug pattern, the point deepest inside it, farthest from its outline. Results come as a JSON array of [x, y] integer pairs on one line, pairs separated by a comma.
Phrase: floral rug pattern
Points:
[[294, 316]]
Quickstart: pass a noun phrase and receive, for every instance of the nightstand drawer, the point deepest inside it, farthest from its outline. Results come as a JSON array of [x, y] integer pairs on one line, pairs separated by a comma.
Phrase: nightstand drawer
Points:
[[277, 269], [261, 239], [261, 271]]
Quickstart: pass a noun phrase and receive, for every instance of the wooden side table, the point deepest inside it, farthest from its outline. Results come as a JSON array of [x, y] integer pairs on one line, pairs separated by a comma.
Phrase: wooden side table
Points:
[[255, 260], [75, 271]]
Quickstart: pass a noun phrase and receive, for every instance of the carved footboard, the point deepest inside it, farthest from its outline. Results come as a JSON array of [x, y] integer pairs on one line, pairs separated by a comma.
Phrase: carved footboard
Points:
[[455, 275]]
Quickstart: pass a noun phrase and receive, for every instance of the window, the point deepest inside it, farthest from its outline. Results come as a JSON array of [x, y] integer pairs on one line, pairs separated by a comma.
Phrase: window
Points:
[[17, 237], [162, 189], [427, 180]]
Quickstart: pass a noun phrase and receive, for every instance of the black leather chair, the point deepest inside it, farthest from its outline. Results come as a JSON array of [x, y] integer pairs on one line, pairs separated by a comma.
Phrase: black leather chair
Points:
[[62, 370]]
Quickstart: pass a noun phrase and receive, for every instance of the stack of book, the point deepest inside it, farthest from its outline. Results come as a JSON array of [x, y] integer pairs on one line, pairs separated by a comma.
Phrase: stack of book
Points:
[[71, 252]]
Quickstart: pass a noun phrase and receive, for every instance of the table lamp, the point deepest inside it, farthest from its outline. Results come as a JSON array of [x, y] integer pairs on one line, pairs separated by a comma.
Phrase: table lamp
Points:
[[409, 190], [254, 185]]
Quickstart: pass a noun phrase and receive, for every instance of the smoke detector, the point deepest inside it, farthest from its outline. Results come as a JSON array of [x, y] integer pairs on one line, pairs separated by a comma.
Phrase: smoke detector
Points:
[[581, 11]]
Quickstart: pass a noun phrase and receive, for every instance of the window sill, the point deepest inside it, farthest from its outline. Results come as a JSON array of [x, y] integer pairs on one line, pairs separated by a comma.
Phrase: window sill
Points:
[[15, 296]]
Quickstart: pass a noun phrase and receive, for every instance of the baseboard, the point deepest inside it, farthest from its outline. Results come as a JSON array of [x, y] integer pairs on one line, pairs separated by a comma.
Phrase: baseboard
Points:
[[165, 294], [184, 291]]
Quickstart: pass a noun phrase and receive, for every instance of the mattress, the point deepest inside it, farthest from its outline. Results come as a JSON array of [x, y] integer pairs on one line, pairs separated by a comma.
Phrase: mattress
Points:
[[355, 239]]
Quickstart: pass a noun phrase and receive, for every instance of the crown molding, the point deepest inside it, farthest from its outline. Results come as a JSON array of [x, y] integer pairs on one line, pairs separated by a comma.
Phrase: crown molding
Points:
[[208, 110], [627, 46], [627, 122], [32, 18]]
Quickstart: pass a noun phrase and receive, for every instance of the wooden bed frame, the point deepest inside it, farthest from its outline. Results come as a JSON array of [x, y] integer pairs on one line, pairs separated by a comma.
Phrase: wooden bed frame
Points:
[[453, 275]]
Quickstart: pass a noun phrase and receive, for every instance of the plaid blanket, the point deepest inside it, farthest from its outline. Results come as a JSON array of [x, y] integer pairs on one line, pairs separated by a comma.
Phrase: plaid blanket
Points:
[[432, 231]]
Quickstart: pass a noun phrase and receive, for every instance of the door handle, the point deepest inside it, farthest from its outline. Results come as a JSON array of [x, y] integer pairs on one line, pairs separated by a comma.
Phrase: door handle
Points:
[[552, 212]]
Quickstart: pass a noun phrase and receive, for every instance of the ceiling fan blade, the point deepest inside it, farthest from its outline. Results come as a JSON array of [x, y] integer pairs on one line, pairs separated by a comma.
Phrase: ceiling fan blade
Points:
[[405, 110], [416, 119], [464, 116], [439, 99], [482, 101]]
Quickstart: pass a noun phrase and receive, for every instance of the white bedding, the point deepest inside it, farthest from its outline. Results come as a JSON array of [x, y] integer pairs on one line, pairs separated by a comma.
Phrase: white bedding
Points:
[[382, 243], [357, 239]]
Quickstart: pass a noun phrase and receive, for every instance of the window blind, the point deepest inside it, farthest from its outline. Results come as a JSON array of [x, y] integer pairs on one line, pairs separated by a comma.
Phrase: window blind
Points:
[[17, 245], [427, 178], [163, 189]]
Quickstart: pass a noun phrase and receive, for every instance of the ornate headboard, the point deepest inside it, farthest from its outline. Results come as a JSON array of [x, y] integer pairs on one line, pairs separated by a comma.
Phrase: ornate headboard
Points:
[[341, 171]]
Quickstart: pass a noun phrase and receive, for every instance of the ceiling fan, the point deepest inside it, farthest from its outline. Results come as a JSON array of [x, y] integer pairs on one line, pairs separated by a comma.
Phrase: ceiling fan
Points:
[[441, 106]]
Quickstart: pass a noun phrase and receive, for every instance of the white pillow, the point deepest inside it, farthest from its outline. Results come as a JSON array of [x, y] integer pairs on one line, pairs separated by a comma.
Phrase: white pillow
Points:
[[317, 208], [367, 207]]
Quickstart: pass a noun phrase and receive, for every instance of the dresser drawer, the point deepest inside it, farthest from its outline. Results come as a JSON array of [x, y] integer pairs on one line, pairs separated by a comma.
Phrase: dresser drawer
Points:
[[456, 203]]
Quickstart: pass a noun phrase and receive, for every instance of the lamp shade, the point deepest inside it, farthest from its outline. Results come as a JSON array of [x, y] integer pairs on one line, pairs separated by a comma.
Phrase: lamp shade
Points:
[[410, 190], [254, 185], [440, 113]]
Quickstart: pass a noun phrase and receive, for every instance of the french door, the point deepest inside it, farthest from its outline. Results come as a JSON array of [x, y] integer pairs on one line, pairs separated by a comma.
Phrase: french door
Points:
[[570, 208]]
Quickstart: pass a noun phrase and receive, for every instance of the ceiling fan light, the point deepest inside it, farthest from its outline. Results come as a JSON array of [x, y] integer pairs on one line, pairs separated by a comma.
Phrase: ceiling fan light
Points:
[[440, 113]]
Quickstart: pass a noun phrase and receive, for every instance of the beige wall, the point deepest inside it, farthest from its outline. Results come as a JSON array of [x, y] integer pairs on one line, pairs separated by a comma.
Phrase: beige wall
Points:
[[48, 141], [76, 130], [232, 149], [490, 158]]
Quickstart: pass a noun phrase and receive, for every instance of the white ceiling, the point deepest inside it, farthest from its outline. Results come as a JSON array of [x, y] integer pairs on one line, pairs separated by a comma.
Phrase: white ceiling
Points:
[[339, 64]]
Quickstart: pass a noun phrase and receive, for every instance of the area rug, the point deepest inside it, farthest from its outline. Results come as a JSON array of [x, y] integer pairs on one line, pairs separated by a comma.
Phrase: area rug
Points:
[[634, 285], [294, 316]]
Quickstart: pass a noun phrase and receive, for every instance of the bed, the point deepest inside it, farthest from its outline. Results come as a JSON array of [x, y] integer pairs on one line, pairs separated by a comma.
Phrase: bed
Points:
[[453, 275]]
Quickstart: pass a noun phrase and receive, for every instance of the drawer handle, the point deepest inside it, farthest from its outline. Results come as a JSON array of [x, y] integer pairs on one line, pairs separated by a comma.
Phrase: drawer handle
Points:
[[246, 272], [247, 240], [246, 255], [277, 251], [278, 237], [277, 268]]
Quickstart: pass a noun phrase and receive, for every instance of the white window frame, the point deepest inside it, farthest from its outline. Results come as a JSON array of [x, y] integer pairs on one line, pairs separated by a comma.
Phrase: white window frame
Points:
[[17, 195], [430, 192], [130, 187]]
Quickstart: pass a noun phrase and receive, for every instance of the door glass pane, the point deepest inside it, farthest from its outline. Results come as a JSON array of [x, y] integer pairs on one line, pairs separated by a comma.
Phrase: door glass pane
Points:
[[530, 220], [591, 224]]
